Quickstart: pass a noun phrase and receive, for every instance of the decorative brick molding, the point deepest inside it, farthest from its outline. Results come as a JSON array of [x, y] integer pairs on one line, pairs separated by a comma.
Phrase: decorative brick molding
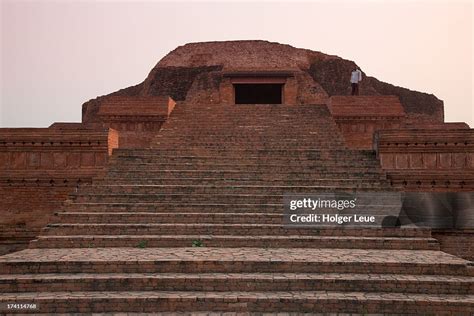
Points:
[[29, 150], [137, 119], [39, 167], [437, 159], [358, 117]]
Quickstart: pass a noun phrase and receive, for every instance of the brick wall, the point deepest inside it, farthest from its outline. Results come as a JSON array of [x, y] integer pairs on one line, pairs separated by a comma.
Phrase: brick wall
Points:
[[358, 117], [435, 160], [137, 119], [457, 242], [26, 208], [39, 167], [290, 91]]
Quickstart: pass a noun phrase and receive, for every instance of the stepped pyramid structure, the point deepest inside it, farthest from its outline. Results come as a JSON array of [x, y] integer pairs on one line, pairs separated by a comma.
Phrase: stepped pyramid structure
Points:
[[176, 200]]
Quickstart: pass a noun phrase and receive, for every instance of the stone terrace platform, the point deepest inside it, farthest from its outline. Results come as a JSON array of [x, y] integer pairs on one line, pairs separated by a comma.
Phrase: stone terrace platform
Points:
[[181, 209], [239, 279], [124, 243]]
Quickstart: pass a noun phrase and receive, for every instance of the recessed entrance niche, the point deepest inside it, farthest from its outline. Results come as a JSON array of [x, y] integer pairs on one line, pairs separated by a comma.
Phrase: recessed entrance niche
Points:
[[258, 87], [258, 93]]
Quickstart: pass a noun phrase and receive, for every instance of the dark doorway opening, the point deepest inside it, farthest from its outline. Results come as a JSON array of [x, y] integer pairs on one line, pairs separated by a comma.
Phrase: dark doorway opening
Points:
[[264, 93]]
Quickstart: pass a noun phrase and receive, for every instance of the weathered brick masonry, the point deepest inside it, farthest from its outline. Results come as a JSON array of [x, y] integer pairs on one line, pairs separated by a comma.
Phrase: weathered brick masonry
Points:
[[39, 168], [153, 206]]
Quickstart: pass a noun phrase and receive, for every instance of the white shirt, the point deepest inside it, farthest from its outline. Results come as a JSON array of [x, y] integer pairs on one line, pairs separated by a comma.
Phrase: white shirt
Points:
[[356, 76]]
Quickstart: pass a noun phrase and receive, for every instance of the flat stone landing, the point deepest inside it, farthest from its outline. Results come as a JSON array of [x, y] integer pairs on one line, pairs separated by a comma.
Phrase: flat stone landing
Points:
[[232, 254], [238, 280]]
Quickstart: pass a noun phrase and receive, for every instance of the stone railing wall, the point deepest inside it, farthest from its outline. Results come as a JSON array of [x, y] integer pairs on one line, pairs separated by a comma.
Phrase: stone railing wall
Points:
[[437, 159], [39, 167], [137, 119], [359, 117]]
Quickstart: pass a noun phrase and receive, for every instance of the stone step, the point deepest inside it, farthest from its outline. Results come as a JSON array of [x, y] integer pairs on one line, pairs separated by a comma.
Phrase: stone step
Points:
[[171, 207], [304, 129], [154, 154], [247, 125], [217, 181], [172, 217], [189, 108], [242, 144], [306, 164], [168, 218], [321, 142], [194, 189], [116, 159], [223, 282], [71, 229], [228, 133], [255, 174], [216, 303], [234, 129], [249, 121], [255, 120], [230, 241], [245, 118], [213, 197], [194, 214], [196, 154], [232, 146], [233, 260], [249, 116], [322, 170], [238, 152], [252, 120]]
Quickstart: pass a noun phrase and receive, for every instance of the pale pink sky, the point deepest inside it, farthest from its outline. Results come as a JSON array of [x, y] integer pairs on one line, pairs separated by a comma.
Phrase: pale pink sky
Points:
[[58, 54]]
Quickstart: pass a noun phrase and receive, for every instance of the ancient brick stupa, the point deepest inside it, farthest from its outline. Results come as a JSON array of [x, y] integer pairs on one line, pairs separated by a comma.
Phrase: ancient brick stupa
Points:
[[169, 195]]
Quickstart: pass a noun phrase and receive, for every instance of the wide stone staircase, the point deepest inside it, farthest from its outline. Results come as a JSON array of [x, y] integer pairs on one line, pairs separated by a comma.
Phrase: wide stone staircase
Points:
[[195, 224]]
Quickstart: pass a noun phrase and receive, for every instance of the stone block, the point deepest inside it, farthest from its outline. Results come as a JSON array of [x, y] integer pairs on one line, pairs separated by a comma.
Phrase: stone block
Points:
[[87, 159], [459, 160], [60, 160], [416, 161], [33, 160], [401, 161], [100, 159], [74, 160], [430, 160], [47, 160], [445, 160], [4, 160], [18, 160], [387, 161]]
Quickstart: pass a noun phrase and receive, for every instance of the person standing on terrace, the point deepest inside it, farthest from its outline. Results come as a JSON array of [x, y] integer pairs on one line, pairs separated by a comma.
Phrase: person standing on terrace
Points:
[[356, 77]]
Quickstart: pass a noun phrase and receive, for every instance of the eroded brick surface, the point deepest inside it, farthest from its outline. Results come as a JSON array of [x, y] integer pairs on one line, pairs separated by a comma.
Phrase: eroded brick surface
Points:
[[124, 243], [187, 218]]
